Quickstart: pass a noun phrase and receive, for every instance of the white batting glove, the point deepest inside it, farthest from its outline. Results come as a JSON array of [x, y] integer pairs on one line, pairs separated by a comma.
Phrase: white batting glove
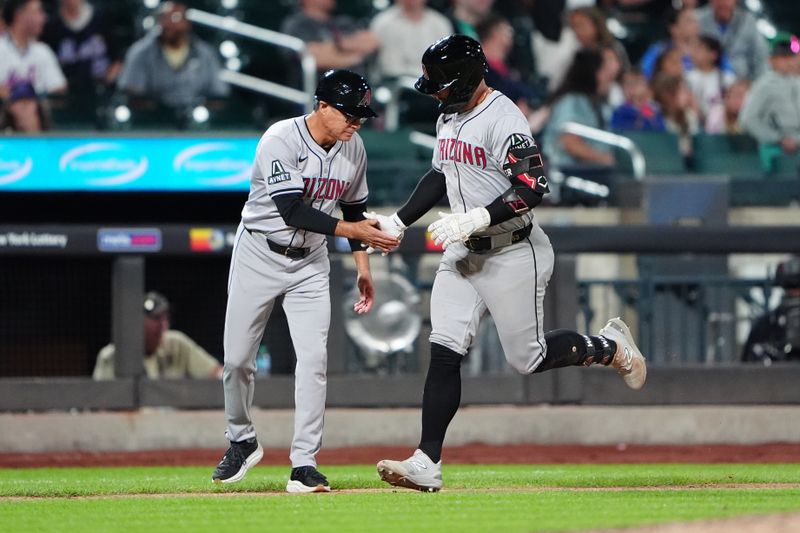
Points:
[[457, 227], [391, 225]]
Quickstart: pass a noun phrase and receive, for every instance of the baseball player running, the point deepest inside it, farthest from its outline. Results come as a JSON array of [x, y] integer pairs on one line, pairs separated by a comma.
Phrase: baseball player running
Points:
[[497, 259], [303, 167]]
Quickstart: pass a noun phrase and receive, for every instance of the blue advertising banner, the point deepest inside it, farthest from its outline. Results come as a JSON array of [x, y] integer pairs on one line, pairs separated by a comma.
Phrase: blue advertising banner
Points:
[[126, 164]]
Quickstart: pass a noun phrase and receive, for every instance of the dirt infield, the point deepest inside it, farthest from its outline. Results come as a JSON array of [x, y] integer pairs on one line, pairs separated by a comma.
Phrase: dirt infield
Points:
[[471, 454]]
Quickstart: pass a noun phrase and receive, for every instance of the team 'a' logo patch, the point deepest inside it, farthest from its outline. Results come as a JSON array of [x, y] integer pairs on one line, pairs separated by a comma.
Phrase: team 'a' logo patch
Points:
[[366, 99], [518, 140], [278, 173]]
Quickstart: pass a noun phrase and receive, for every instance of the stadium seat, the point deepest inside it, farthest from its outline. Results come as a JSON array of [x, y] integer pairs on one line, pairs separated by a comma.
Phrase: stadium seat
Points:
[[394, 166], [76, 111], [733, 155], [660, 151], [237, 113]]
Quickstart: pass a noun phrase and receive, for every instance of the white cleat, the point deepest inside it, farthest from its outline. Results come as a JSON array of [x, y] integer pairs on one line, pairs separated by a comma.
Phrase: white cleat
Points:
[[417, 472], [628, 360]]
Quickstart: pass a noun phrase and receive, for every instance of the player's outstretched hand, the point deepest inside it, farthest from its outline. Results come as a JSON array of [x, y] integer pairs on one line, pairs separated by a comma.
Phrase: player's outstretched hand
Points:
[[368, 232], [457, 227], [367, 292], [391, 225]]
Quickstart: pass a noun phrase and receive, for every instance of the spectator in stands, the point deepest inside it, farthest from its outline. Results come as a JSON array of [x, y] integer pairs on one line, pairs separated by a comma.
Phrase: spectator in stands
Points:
[[496, 38], [733, 100], [707, 80], [168, 353], [404, 31], [82, 39], [736, 29], [639, 112], [589, 25], [771, 112], [28, 68], [554, 43], [172, 65], [637, 11], [669, 63], [580, 98], [467, 14], [334, 41], [615, 66], [679, 109], [684, 31], [587, 29]]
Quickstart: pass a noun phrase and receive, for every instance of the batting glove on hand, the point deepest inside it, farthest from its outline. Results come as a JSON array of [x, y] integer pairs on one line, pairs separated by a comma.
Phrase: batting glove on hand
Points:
[[391, 225], [457, 227]]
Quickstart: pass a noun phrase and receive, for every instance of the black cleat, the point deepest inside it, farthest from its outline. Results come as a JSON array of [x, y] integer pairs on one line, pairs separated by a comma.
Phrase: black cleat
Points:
[[307, 479], [240, 457]]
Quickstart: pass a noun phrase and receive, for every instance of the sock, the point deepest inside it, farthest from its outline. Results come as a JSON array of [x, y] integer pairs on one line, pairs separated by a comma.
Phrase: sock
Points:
[[440, 400]]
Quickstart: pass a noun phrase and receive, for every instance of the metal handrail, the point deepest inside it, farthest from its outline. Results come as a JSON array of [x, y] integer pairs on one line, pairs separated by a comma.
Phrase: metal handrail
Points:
[[392, 114], [264, 86], [612, 139], [422, 140], [307, 62]]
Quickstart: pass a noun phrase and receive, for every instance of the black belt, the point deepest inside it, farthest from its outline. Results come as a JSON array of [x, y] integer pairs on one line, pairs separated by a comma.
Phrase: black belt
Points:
[[488, 242], [292, 252]]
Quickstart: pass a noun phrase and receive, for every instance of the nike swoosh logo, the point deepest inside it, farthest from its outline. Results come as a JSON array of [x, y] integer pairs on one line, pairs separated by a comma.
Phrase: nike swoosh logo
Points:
[[303, 159], [419, 465], [446, 119]]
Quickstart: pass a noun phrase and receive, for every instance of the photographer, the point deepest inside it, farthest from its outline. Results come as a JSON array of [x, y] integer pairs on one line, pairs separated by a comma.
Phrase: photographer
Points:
[[776, 335]]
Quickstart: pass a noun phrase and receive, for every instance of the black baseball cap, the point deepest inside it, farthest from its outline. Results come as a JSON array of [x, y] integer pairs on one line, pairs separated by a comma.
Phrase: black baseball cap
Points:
[[346, 91], [155, 304]]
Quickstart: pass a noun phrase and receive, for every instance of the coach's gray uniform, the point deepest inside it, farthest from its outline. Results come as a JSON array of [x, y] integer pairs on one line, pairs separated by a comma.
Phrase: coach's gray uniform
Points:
[[288, 161], [509, 282]]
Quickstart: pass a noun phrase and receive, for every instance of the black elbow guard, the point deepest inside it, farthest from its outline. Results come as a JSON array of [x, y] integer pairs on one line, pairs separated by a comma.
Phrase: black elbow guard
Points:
[[525, 164], [520, 199]]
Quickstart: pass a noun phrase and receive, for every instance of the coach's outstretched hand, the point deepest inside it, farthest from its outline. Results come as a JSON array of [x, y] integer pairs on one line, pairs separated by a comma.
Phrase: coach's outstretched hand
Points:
[[369, 233], [391, 225]]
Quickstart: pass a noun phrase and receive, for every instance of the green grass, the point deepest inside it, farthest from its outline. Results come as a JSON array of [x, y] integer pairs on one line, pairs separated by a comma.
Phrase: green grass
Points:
[[475, 499]]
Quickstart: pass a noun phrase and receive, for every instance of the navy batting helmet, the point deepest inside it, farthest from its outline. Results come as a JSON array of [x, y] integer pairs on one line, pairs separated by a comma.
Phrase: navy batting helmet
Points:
[[455, 62], [346, 91]]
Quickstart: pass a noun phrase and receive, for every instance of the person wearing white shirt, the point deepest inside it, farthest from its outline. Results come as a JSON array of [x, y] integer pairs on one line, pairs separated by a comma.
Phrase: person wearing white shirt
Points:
[[707, 80], [404, 31], [28, 68]]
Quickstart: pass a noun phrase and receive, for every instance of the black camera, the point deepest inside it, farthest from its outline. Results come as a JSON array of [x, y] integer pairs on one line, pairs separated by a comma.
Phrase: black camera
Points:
[[787, 275], [775, 336]]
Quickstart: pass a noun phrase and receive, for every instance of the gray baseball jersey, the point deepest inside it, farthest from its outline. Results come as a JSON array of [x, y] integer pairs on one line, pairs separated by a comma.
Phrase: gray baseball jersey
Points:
[[288, 161], [508, 282]]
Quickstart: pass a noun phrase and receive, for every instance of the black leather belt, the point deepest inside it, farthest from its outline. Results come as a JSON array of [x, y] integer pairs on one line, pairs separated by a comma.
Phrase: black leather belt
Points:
[[292, 252], [488, 242]]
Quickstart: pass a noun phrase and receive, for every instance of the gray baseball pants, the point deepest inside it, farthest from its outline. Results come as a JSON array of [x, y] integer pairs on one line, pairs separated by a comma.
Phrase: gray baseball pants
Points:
[[507, 282], [257, 277]]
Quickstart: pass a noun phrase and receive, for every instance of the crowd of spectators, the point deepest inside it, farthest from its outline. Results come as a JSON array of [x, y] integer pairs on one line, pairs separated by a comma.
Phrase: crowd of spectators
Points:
[[706, 64]]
